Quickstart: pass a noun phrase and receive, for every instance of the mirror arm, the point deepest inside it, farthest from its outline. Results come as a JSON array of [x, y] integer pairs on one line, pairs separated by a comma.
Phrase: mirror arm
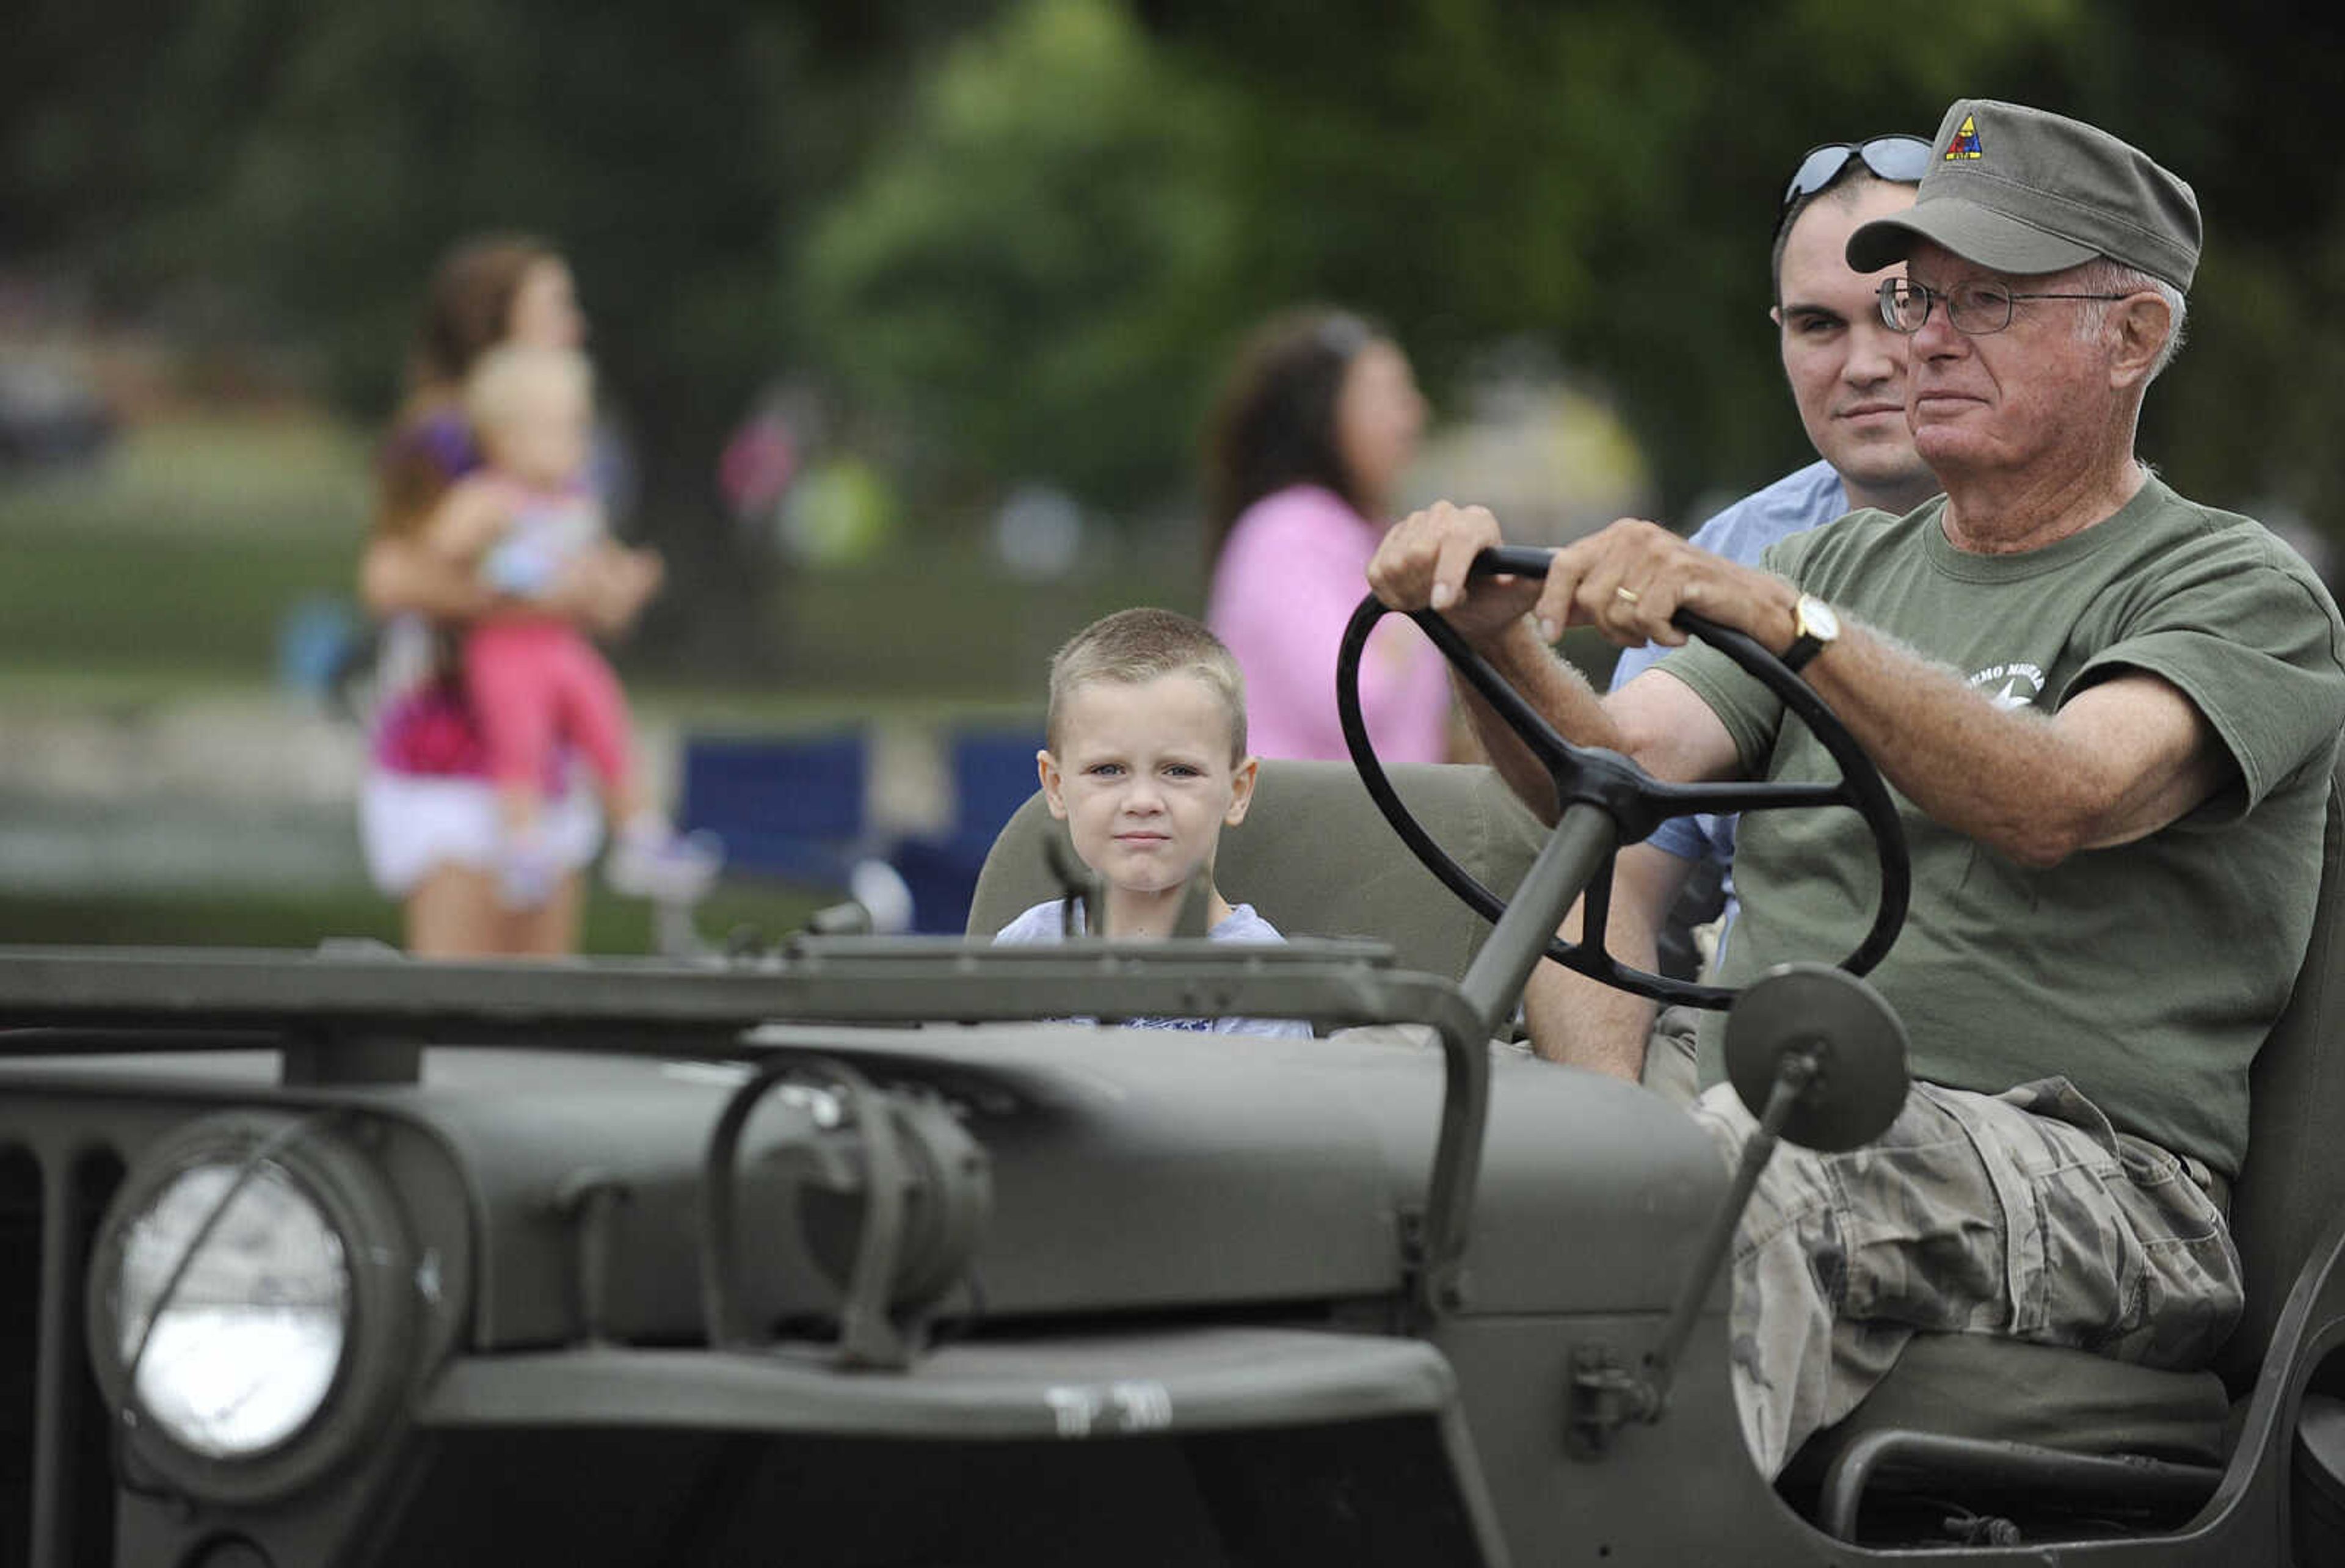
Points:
[[1575, 852], [1794, 1071], [1605, 1394]]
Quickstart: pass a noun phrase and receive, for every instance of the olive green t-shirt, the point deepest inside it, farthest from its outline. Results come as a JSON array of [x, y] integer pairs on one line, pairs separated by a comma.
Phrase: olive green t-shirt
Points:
[[2149, 973]]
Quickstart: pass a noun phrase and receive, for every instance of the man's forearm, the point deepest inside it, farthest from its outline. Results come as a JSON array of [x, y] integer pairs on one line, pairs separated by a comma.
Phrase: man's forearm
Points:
[[2018, 781], [1556, 691], [1573, 1019]]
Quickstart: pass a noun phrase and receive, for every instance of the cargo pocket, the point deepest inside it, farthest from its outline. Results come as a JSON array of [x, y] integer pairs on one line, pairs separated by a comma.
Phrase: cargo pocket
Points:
[[1917, 1216], [2114, 1248], [2189, 1266]]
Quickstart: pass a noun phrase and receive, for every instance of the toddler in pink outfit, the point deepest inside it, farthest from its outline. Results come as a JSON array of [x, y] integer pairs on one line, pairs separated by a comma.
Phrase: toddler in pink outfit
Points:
[[533, 679]]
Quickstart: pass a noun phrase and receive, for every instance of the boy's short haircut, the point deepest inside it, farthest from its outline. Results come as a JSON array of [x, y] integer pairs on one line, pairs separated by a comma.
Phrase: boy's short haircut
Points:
[[1136, 646], [502, 379]]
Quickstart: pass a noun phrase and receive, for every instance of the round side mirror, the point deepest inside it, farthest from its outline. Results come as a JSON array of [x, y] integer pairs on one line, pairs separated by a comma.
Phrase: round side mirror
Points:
[[1856, 1040]]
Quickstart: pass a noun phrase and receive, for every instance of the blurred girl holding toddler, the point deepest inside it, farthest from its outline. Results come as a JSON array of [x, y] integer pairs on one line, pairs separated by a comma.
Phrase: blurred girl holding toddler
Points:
[[527, 517]]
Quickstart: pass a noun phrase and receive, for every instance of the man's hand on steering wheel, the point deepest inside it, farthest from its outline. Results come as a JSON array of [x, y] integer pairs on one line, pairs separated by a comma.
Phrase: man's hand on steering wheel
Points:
[[1423, 561], [1628, 581]]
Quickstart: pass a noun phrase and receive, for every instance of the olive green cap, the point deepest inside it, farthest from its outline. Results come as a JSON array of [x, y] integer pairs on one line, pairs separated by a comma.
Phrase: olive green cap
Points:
[[2023, 191]]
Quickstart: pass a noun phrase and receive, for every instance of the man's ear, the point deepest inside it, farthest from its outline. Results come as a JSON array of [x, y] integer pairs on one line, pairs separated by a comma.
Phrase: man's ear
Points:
[[1241, 791], [1047, 766], [2140, 324]]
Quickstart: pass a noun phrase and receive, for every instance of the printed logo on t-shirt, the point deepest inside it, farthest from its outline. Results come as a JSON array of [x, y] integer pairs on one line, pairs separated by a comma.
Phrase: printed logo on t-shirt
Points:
[[2012, 685]]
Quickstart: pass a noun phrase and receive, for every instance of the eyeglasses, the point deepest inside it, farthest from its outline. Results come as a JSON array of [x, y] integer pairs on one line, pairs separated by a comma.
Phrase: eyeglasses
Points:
[[1902, 158], [1973, 309]]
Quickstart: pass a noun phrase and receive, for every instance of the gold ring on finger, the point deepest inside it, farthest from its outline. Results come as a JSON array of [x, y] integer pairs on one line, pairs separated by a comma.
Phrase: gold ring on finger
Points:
[[1626, 595]]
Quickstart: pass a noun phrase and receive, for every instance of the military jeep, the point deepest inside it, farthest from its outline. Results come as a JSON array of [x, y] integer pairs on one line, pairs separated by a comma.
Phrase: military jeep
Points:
[[832, 1254]]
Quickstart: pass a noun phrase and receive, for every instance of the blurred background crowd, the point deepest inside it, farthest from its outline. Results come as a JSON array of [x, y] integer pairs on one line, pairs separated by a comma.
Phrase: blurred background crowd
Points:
[[909, 319]]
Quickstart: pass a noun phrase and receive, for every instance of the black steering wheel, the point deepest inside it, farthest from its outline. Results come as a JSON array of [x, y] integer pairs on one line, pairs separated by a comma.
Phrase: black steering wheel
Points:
[[1635, 800]]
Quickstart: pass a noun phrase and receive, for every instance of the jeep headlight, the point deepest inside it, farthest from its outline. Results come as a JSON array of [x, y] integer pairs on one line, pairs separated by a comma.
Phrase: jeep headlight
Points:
[[233, 1308], [252, 1314]]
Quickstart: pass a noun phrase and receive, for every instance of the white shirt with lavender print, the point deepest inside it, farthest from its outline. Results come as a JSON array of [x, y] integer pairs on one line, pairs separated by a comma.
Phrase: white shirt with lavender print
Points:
[[1042, 924]]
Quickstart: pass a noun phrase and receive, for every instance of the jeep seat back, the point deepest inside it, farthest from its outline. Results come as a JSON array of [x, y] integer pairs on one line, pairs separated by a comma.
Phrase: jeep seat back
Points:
[[1315, 858], [2292, 1187]]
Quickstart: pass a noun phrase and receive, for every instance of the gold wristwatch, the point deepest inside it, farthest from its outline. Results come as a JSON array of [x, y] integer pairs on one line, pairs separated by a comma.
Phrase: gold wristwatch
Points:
[[1817, 625]]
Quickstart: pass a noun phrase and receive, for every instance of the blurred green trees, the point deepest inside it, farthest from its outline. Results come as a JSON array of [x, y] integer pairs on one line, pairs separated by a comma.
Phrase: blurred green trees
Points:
[[1036, 269], [1600, 175], [1019, 234]]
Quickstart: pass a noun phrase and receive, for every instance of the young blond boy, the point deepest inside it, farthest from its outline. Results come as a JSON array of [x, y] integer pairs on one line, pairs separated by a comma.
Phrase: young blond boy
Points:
[[1144, 759]]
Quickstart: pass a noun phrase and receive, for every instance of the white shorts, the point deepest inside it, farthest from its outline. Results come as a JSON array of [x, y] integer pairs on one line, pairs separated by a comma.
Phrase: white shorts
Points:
[[411, 823]]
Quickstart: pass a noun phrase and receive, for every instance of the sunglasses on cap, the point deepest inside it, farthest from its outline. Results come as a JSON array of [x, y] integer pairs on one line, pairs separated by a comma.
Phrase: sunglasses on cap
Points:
[[1902, 158]]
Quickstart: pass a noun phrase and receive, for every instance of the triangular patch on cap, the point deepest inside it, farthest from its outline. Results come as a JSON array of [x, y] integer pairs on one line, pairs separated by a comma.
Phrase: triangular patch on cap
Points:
[[1965, 143]]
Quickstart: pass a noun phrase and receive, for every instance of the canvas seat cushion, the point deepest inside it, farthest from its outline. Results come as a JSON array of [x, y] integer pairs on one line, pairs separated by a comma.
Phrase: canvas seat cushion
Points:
[[2009, 1390]]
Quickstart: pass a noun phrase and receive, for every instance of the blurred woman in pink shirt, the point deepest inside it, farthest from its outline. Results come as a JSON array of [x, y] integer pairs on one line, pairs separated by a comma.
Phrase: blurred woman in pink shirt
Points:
[[1319, 418]]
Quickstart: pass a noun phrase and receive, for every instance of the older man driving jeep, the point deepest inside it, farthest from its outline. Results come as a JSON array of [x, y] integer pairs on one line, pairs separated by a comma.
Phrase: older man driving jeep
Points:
[[2109, 713]]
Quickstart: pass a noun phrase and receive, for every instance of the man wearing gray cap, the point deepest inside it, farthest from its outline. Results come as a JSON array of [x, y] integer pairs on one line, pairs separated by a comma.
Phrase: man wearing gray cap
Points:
[[1846, 371], [2109, 712]]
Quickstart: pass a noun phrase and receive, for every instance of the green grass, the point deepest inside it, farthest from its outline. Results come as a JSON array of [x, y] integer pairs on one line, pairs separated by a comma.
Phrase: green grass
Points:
[[745, 710], [179, 607], [181, 553], [265, 477], [938, 620]]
